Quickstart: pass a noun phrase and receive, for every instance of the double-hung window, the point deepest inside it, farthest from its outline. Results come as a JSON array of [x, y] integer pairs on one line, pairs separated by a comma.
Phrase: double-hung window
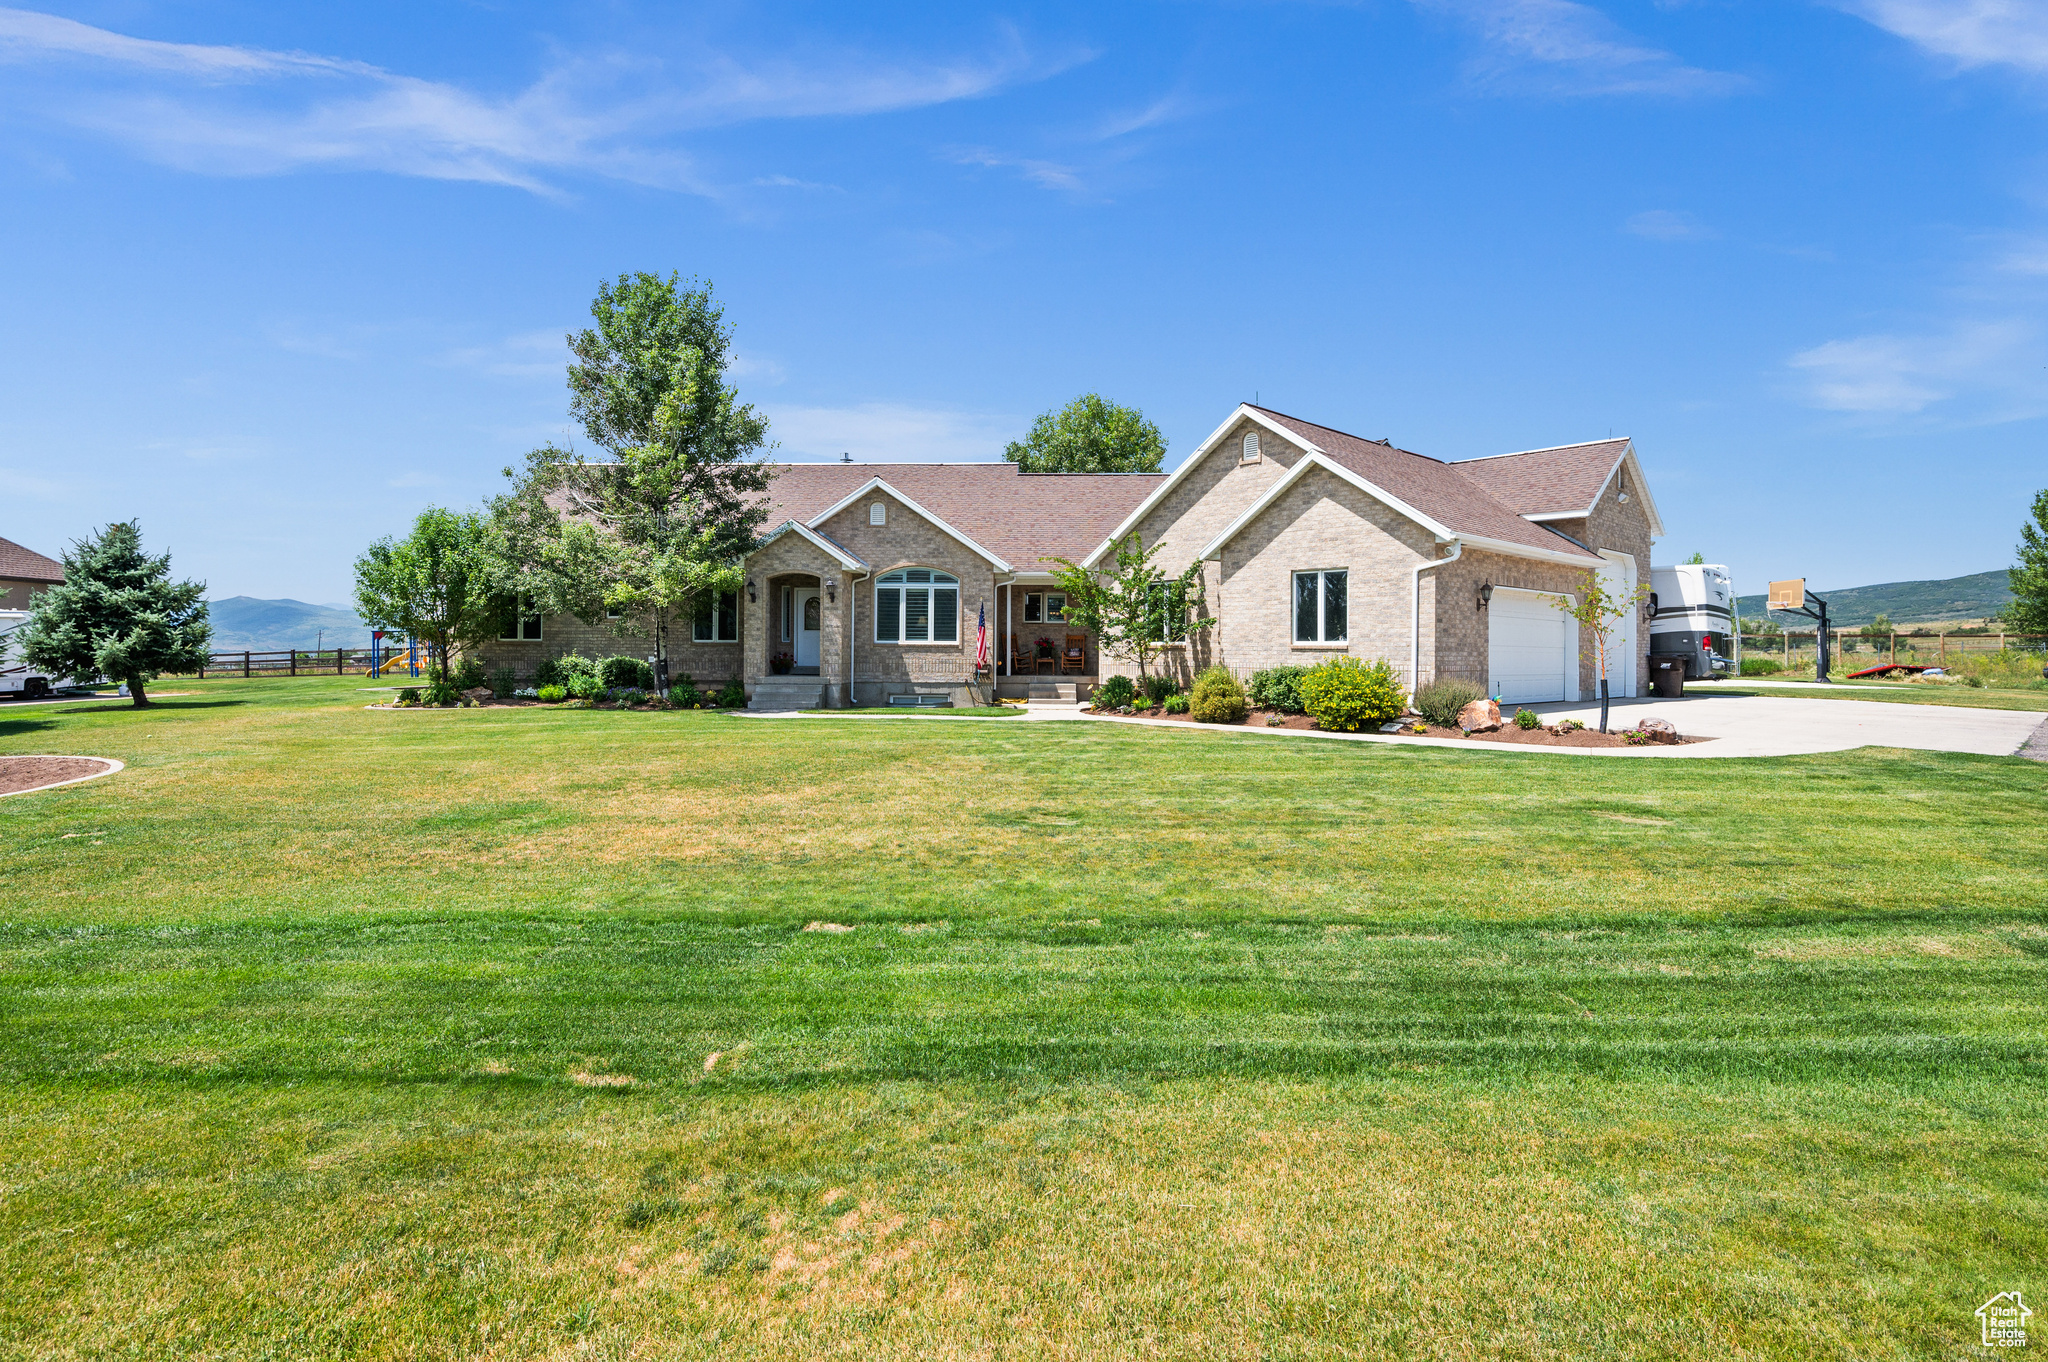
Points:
[[917, 605], [1321, 607], [522, 620], [718, 622]]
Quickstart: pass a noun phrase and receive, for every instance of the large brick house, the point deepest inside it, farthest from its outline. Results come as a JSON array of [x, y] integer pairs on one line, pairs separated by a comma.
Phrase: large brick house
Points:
[[869, 579]]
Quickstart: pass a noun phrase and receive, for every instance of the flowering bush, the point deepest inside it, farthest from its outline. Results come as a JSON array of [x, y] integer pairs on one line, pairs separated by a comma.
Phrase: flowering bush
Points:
[[1343, 694]]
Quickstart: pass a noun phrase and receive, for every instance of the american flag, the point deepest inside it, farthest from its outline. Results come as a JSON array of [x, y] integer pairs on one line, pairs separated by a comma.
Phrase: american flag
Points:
[[981, 639]]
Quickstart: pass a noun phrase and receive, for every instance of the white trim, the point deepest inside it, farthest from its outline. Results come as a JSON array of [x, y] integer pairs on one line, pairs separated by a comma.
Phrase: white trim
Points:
[[1415, 615], [1318, 460], [878, 484], [1244, 411], [878, 583], [846, 560], [1322, 576], [1583, 561], [1632, 578]]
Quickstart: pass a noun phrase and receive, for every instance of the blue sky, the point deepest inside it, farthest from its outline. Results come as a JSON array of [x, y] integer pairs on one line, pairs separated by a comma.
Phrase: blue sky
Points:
[[275, 277]]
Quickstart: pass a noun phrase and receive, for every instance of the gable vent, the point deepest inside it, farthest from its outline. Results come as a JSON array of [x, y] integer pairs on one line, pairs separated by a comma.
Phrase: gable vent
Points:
[[1251, 447], [878, 513]]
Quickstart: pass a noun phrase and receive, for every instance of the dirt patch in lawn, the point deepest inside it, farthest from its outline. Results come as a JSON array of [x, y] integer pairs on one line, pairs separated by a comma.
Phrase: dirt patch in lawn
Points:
[[1526, 737], [19, 775]]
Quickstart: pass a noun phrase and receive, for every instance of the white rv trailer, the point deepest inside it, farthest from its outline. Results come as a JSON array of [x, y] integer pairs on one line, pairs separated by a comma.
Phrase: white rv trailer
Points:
[[18, 680], [1693, 616]]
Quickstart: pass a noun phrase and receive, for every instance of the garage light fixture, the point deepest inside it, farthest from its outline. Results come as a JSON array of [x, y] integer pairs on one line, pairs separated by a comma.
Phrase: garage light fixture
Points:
[[832, 589], [1485, 596]]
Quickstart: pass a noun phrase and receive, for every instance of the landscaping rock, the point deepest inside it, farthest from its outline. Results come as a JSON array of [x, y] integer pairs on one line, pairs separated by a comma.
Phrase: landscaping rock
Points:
[[478, 693], [1481, 716], [1659, 730]]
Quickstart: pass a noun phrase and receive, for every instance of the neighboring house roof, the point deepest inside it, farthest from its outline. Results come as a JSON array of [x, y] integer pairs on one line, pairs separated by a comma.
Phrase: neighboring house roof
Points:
[[1023, 519], [1442, 492], [26, 565]]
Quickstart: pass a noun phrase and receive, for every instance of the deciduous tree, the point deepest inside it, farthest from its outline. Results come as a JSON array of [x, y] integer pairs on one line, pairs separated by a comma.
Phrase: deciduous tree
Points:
[[1133, 608], [657, 528], [2027, 611], [443, 584], [1090, 435], [118, 614]]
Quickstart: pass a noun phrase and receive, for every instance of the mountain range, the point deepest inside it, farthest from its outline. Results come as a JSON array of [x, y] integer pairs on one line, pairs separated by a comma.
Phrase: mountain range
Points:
[[243, 622], [1952, 598]]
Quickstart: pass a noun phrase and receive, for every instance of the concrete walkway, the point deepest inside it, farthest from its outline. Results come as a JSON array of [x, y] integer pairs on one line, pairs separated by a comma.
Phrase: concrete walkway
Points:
[[1741, 726]]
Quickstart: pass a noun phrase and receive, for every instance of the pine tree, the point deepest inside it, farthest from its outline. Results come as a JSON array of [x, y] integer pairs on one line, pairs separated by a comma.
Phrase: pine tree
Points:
[[118, 615], [2027, 612]]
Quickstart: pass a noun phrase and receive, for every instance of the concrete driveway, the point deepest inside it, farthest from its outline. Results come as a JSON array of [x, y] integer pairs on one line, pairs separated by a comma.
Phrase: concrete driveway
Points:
[[1777, 726]]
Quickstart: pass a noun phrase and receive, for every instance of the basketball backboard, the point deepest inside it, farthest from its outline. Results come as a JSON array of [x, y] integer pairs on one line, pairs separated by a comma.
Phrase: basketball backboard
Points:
[[1787, 595]]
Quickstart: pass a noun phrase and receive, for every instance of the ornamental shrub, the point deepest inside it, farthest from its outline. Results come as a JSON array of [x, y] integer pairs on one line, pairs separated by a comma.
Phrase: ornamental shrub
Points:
[[734, 696], [1440, 700], [619, 673], [684, 693], [441, 692], [408, 696], [1217, 698], [1344, 694], [469, 673], [627, 696], [1157, 688], [1175, 704], [578, 675], [548, 673], [1114, 693], [1278, 688], [1526, 719], [504, 683], [550, 695]]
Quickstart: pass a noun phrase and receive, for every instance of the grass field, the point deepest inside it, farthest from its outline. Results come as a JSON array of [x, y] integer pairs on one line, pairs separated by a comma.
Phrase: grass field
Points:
[[501, 1034]]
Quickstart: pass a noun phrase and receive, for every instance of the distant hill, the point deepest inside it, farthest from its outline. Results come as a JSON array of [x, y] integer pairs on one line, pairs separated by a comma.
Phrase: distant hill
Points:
[[243, 622], [1954, 598]]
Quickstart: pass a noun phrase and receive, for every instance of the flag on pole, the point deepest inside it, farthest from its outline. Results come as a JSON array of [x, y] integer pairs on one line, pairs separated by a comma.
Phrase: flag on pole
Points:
[[981, 639]]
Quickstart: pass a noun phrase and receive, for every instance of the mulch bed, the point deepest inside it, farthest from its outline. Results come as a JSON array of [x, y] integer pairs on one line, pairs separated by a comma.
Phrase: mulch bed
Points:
[[32, 773], [1534, 737]]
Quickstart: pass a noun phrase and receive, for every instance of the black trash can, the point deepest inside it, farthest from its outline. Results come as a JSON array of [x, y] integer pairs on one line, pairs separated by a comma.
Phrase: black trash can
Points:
[[1667, 676]]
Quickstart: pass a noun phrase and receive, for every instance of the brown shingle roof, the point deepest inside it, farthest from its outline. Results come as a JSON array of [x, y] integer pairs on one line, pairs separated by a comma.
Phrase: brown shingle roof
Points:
[[1546, 481], [26, 565], [1439, 490], [1026, 518]]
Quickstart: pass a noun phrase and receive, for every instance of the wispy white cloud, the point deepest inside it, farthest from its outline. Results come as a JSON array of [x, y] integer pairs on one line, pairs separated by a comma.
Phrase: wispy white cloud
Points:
[[1047, 174], [1560, 47], [527, 355], [1977, 372], [891, 432], [1965, 32], [249, 111], [31, 486], [1661, 224]]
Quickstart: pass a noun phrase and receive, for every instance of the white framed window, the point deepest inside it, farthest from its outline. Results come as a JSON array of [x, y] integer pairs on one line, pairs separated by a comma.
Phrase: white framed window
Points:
[[788, 608], [917, 605], [1055, 609], [522, 621], [718, 622], [878, 513], [1322, 606], [1248, 450]]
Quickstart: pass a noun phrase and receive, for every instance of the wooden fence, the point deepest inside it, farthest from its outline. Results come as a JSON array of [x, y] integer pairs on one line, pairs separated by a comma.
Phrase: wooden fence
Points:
[[1856, 650], [303, 662]]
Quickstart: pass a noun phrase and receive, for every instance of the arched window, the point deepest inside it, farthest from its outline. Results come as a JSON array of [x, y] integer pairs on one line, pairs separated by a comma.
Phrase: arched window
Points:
[[917, 605]]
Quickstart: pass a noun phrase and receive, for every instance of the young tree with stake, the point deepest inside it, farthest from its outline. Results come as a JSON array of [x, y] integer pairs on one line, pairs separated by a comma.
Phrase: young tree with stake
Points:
[[1596, 609], [119, 615], [1134, 609]]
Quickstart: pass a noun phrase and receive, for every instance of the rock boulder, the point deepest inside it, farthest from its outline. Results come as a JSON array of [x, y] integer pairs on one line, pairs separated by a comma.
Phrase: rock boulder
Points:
[[1481, 716]]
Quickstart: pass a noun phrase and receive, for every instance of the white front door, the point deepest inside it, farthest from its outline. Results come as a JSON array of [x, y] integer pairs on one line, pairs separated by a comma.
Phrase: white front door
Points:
[[1528, 647], [810, 623], [1618, 576]]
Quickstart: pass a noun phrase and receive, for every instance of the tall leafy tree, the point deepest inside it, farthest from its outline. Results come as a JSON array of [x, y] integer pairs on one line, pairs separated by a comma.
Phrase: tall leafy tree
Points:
[[118, 614], [2027, 611], [1090, 435], [657, 527], [1132, 607], [444, 583]]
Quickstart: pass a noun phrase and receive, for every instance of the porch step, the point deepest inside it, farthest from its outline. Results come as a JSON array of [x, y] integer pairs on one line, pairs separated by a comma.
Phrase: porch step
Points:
[[787, 692], [1060, 692]]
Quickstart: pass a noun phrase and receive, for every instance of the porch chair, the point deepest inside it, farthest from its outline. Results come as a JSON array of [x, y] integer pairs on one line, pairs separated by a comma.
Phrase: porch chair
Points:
[[1021, 660], [1074, 656]]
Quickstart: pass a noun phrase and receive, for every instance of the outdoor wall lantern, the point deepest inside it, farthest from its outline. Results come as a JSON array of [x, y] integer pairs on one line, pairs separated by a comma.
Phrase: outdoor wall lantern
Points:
[[751, 597], [832, 589], [1485, 596]]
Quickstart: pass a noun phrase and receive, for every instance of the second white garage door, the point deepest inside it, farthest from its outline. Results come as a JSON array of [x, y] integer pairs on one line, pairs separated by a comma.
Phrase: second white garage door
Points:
[[1527, 646]]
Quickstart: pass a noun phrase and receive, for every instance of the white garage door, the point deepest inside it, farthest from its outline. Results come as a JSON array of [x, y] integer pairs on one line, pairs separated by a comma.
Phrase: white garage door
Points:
[[1525, 638]]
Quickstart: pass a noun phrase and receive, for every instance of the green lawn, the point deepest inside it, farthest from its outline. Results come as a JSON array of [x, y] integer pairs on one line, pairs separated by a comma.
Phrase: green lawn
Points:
[[2034, 698], [499, 1034]]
